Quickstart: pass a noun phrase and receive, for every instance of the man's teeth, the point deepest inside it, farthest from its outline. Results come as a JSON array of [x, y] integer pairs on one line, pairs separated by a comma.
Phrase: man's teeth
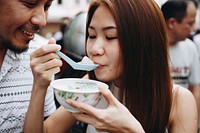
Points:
[[28, 33]]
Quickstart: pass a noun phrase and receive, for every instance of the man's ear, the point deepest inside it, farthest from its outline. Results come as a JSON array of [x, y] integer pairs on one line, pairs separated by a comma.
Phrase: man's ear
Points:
[[171, 23]]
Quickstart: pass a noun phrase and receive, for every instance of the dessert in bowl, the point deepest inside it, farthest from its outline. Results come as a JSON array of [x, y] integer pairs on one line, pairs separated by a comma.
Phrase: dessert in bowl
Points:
[[81, 90]]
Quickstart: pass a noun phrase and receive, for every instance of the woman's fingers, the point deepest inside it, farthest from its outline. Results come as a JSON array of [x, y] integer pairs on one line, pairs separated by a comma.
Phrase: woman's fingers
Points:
[[84, 118], [84, 108], [107, 94], [87, 113]]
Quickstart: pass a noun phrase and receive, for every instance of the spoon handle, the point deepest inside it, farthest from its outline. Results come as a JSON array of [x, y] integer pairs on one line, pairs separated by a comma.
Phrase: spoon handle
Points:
[[66, 58]]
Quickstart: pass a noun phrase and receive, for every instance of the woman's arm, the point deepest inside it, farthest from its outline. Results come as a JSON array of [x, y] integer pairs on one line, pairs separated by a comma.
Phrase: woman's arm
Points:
[[195, 89], [184, 116], [60, 121]]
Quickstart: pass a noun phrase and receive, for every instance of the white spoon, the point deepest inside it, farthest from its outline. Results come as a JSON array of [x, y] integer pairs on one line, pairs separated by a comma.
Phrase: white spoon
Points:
[[75, 65]]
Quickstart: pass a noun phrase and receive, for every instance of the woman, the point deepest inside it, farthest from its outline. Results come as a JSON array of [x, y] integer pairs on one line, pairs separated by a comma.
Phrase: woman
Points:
[[127, 38]]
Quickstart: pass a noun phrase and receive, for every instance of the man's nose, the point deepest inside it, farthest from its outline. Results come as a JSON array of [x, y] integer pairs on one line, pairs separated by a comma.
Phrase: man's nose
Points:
[[39, 17]]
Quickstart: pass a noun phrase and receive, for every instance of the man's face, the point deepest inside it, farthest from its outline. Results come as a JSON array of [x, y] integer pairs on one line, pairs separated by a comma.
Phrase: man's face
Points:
[[19, 20], [183, 29]]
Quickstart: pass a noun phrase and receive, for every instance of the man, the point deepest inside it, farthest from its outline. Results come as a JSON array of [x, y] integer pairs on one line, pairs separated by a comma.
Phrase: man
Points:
[[185, 66], [19, 21]]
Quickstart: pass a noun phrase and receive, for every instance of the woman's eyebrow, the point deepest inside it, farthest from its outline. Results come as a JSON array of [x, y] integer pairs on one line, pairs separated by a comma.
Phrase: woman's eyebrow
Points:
[[105, 28], [109, 27]]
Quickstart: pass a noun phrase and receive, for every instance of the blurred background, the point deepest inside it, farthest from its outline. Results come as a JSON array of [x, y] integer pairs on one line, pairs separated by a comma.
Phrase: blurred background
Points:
[[62, 11]]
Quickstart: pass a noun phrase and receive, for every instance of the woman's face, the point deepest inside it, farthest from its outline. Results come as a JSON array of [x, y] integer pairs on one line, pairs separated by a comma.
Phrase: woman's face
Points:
[[103, 45]]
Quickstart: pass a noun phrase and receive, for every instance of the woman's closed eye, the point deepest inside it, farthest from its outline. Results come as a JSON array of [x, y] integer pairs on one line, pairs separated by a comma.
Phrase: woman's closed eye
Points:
[[111, 38], [107, 37], [92, 37]]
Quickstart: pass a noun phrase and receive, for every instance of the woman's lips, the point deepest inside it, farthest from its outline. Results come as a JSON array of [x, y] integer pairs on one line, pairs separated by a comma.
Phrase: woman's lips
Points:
[[99, 67]]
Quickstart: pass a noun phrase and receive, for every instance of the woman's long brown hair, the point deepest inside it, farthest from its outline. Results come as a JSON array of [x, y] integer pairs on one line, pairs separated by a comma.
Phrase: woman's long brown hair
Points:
[[146, 78]]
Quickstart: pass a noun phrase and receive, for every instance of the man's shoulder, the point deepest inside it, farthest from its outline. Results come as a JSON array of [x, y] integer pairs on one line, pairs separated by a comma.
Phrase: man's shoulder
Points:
[[187, 44], [187, 41]]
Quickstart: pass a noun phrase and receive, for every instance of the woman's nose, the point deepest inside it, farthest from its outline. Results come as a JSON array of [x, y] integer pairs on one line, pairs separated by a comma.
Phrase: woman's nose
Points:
[[97, 47], [39, 17]]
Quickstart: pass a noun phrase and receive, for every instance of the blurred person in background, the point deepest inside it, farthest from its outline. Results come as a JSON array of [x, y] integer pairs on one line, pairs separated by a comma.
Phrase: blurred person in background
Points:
[[180, 18], [19, 21], [133, 62], [196, 38]]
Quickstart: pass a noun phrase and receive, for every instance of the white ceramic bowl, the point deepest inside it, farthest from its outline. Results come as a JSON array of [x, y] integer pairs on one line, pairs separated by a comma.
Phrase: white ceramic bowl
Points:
[[81, 90]]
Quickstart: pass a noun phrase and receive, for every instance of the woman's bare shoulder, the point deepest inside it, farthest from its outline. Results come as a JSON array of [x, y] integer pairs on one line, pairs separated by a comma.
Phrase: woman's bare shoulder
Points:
[[181, 94], [183, 116]]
